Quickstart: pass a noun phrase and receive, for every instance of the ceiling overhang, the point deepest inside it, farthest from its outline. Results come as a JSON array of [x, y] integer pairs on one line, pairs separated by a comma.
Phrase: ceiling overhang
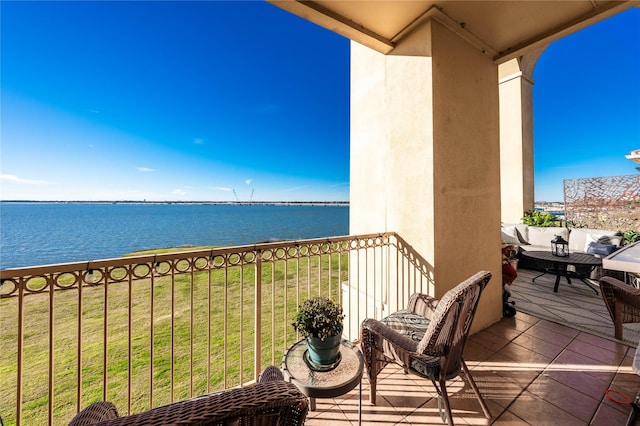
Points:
[[503, 30]]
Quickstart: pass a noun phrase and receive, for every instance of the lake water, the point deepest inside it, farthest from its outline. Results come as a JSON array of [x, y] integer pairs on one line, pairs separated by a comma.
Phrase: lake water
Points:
[[38, 233]]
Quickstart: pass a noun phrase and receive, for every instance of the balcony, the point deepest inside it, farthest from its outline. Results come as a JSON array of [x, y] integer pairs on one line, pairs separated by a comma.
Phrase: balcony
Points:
[[148, 330]]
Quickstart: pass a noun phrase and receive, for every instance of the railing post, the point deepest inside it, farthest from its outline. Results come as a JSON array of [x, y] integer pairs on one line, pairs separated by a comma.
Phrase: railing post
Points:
[[258, 317], [20, 351]]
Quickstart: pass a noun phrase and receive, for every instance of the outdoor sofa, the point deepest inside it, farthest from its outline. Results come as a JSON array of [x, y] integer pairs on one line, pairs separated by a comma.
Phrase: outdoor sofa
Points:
[[599, 242]]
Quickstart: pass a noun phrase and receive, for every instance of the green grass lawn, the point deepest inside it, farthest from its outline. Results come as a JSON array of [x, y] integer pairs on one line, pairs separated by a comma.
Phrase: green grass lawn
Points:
[[195, 305]]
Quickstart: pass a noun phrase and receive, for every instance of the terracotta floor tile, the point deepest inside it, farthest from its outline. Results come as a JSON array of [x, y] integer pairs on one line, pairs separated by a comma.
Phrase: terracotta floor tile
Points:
[[522, 354], [618, 402], [495, 389], [580, 381], [570, 400], [429, 414], [509, 419], [573, 361], [543, 347], [609, 357], [489, 340], [610, 345], [326, 411], [537, 411], [476, 351], [627, 382], [522, 317], [554, 328], [514, 376], [504, 329], [607, 416]]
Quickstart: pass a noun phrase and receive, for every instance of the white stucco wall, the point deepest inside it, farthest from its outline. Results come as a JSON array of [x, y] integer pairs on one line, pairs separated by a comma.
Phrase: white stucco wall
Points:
[[425, 155], [516, 141]]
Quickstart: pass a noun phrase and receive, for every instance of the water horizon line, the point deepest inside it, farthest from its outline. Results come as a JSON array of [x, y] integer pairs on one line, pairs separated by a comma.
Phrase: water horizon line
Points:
[[211, 202]]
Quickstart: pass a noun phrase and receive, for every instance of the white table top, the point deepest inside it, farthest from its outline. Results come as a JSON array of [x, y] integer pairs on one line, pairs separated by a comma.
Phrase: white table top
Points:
[[626, 259], [636, 362]]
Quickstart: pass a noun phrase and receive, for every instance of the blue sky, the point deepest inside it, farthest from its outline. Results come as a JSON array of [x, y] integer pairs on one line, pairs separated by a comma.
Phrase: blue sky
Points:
[[174, 101], [587, 104]]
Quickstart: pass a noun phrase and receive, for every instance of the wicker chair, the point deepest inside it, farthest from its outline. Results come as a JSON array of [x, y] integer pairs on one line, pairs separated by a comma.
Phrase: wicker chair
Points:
[[427, 339], [271, 401], [622, 301]]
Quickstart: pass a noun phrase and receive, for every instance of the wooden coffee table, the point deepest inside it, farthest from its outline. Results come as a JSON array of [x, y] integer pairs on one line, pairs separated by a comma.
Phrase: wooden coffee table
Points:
[[559, 265]]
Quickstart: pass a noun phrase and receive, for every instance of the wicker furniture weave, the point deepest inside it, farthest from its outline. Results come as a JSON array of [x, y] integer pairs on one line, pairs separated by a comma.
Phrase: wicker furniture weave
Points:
[[427, 339], [622, 301], [271, 401]]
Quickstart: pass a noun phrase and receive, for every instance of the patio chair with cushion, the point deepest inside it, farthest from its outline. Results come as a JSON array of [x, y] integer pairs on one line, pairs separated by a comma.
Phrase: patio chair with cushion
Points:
[[622, 301], [271, 401], [427, 339]]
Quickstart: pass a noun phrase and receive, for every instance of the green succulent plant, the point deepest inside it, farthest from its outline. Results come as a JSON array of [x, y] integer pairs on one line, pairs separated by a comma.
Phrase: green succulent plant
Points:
[[630, 237], [538, 218], [319, 317]]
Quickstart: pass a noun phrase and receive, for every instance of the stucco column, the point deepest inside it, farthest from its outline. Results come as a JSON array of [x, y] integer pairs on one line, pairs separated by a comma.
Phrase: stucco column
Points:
[[425, 155], [516, 137]]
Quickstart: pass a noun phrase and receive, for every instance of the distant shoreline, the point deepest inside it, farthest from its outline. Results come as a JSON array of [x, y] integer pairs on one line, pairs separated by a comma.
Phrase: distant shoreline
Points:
[[237, 203]]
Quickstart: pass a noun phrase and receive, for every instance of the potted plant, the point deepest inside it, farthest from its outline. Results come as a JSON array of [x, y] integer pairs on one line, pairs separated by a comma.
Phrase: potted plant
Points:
[[319, 319], [630, 237]]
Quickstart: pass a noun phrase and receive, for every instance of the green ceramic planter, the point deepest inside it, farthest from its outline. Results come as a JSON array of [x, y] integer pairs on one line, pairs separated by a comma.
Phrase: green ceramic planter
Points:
[[324, 352]]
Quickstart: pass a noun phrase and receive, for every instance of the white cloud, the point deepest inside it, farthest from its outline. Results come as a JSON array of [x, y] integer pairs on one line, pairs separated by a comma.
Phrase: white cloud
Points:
[[179, 192], [198, 141], [145, 169], [16, 179], [248, 181], [295, 188], [223, 188]]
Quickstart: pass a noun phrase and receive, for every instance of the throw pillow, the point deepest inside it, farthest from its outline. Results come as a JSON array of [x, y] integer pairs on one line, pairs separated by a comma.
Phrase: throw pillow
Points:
[[613, 240], [601, 248], [510, 235]]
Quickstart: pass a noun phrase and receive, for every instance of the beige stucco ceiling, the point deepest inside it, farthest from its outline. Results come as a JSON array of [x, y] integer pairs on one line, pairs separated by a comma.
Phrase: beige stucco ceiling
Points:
[[502, 29]]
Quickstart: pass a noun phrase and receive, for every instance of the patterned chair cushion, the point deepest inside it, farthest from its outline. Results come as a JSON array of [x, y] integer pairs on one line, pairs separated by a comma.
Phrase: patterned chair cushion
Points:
[[407, 323], [414, 326], [429, 366]]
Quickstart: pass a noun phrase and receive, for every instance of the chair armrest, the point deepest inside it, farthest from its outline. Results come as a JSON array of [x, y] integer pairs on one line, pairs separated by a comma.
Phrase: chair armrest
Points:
[[95, 413], [378, 329], [622, 291], [271, 402], [422, 304], [270, 374]]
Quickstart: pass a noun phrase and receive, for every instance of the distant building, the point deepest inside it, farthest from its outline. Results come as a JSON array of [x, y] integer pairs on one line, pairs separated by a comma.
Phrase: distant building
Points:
[[635, 157]]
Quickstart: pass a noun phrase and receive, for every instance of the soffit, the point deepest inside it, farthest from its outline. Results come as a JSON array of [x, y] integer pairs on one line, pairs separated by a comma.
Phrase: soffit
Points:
[[502, 29]]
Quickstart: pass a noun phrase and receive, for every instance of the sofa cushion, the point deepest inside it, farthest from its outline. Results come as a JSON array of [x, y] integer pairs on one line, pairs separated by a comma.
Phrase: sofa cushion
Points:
[[581, 237], [542, 236]]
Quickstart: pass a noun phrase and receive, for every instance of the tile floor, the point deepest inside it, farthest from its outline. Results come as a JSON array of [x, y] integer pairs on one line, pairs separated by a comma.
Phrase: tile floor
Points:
[[530, 372]]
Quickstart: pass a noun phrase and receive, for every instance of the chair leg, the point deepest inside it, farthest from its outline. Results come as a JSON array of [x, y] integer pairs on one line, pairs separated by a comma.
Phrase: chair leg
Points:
[[469, 379], [445, 400], [373, 377], [372, 390], [617, 321]]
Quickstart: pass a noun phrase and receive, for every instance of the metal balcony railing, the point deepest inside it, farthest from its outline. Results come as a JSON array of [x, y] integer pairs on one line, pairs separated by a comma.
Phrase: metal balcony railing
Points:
[[148, 330]]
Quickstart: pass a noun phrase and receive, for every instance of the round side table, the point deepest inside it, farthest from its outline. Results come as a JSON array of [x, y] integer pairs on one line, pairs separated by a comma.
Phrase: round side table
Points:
[[324, 384]]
